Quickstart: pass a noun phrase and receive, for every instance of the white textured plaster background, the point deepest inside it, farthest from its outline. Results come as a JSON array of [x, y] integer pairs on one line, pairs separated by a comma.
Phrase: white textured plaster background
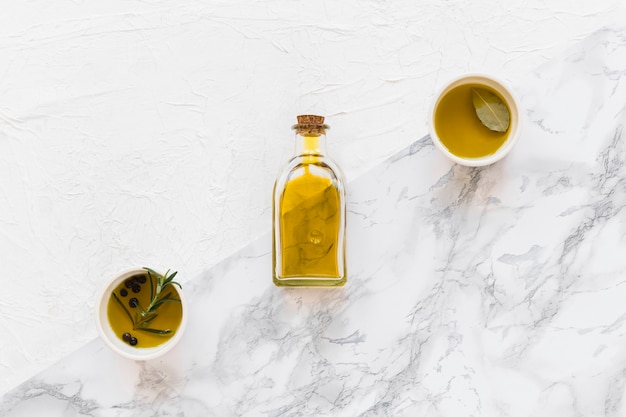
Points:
[[150, 132]]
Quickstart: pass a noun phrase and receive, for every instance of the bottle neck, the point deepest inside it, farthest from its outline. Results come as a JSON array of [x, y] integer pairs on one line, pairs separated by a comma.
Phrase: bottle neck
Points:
[[310, 144]]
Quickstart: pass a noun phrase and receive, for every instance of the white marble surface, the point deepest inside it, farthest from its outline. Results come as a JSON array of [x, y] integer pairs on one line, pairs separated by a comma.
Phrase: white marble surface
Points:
[[138, 132], [493, 291]]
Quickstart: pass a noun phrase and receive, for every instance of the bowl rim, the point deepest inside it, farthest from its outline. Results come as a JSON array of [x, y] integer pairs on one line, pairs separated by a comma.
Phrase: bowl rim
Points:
[[115, 343], [514, 107]]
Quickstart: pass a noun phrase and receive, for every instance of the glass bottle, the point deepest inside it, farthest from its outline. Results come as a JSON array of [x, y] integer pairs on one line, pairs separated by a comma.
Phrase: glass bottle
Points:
[[309, 214]]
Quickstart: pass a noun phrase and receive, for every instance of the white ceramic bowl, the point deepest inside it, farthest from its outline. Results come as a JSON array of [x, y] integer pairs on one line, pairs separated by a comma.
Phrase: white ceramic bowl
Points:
[[515, 121], [114, 342]]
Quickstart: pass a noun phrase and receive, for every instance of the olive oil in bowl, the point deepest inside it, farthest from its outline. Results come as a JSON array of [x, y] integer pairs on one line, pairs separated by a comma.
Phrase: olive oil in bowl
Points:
[[133, 296], [459, 128], [141, 314], [462, 117]]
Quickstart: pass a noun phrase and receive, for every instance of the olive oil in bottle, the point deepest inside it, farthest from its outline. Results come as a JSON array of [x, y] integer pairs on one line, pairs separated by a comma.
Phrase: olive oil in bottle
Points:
[[309, 214]]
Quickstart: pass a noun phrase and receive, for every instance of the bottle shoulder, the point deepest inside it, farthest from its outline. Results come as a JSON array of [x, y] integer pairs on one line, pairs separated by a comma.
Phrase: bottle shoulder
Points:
[[318, 163], [310, 173]]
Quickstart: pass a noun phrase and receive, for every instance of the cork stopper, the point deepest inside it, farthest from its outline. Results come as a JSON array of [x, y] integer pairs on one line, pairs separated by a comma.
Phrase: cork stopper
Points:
[[310, 124], [310, 119]]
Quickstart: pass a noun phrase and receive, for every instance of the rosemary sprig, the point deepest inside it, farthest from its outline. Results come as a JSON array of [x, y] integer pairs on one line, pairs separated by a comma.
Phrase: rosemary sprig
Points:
[[144, 316], [122, 305]]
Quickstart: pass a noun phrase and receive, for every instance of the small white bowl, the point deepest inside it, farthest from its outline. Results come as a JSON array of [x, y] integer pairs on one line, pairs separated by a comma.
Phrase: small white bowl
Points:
[[515, 122], [114, 342]]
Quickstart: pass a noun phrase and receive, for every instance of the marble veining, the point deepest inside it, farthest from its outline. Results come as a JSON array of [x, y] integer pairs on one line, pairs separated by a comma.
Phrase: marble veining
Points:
[[492, 291]]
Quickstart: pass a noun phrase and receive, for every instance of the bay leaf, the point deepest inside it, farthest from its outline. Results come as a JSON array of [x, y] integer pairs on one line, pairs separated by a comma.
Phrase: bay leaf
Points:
[[491, 110]]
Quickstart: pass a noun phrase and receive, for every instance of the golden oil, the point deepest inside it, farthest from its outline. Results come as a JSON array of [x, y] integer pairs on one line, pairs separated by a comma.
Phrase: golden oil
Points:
[[460, 130], [169, 316], [309, 213]]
